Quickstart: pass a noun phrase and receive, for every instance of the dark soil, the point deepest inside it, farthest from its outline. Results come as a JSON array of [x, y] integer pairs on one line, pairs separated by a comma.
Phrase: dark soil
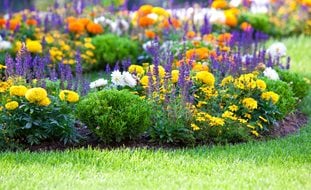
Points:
[[291, 124]]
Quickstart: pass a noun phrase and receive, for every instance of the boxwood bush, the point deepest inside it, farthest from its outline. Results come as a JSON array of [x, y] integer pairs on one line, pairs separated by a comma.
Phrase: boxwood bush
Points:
[[111, 48], [114, 116]]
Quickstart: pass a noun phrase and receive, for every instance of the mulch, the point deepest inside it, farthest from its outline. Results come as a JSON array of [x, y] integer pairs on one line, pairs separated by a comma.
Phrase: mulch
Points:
[[291, 124]]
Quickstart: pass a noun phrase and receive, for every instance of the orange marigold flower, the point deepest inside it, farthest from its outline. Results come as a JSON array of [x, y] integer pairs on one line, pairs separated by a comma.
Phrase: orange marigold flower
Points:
[[150, 34], [31, 22], [145, 21], [76, 27], [2, 22], [190, 34], [84, 21], [231, 19], [246, 26], [219, 4], [14, 24], [145, 10], [209, 38], [94, 28], [199, 53], [70, 19], [224, 38]]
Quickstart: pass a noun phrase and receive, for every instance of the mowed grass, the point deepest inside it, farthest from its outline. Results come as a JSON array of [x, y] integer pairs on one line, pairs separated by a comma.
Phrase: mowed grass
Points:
[[283, 163]]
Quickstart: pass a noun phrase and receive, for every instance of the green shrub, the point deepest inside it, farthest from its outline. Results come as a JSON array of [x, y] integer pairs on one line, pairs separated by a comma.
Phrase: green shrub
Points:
[[115, 115], [287, 102], [171, 123], [111, 48], [297, 82]]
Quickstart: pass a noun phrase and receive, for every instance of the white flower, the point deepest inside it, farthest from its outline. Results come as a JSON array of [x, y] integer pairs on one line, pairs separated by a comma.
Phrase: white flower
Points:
[[277, 49], [217, 16], [260, 6], [98, 83], [4, 44], [271, 74], [117, 78], [129, 80], [235, 3]]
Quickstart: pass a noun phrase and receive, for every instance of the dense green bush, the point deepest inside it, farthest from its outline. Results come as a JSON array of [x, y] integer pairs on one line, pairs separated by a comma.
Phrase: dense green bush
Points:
[[171, 123], [111, 48], [299, 85], [287, 102], [115, 115]]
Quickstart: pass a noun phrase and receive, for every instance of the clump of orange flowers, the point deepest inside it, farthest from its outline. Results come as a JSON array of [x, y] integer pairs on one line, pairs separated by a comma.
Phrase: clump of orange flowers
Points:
[[94, 28], [145, 21], [197, 53], [31, 22], [150, 34]]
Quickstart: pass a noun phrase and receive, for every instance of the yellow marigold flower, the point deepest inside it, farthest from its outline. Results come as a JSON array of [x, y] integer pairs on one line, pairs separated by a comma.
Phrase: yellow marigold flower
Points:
[[216, 121], [161, 70], [4, 86], [18, 90], [254, 132], [261, 85], [227, 80], [194, 127], [246, 81], [1, 108], [247, 115], [175, 76], [34, 46], [233, 108], [206, 77], [144, 81], [69, 96], [230, 115], [139, 70], [270, 96], [45, 102], [2, 66], [89, 53], [160, 11], [250, 103], [199, 67], [89, 46], [219, 4], [11, 105], [35, 95]]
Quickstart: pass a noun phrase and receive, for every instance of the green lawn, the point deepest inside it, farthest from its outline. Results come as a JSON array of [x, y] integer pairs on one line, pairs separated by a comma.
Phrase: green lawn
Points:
[[277, 164]]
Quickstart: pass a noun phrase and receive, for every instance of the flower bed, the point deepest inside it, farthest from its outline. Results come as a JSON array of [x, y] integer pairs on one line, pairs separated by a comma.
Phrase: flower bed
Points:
[[205, 79]]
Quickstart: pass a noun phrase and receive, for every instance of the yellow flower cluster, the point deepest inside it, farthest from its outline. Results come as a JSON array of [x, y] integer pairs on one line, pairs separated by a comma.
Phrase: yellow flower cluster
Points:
[[205, 77], [38, 96], [246, 82], [250, 103], [18, 90], [175, 76], [270, 96], [69, 96], [11, 105], [227, 80], [34, 46], [4, 86], [137, 69]]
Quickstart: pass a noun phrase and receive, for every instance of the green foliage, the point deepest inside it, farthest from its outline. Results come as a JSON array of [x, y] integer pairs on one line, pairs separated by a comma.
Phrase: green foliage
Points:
[[296, 82], [111, 48], [114, 115], [32, 124], [287, 102], [171, 123]]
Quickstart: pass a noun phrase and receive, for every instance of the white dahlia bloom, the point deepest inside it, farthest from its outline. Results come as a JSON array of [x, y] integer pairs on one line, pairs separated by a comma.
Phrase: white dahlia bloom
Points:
[[129, 80], [98, 83], [277, 49], [271, 74], [117, 78]]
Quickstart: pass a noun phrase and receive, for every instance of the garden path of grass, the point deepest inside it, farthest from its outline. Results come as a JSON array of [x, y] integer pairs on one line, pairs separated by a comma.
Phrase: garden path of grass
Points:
[[276, 164]]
